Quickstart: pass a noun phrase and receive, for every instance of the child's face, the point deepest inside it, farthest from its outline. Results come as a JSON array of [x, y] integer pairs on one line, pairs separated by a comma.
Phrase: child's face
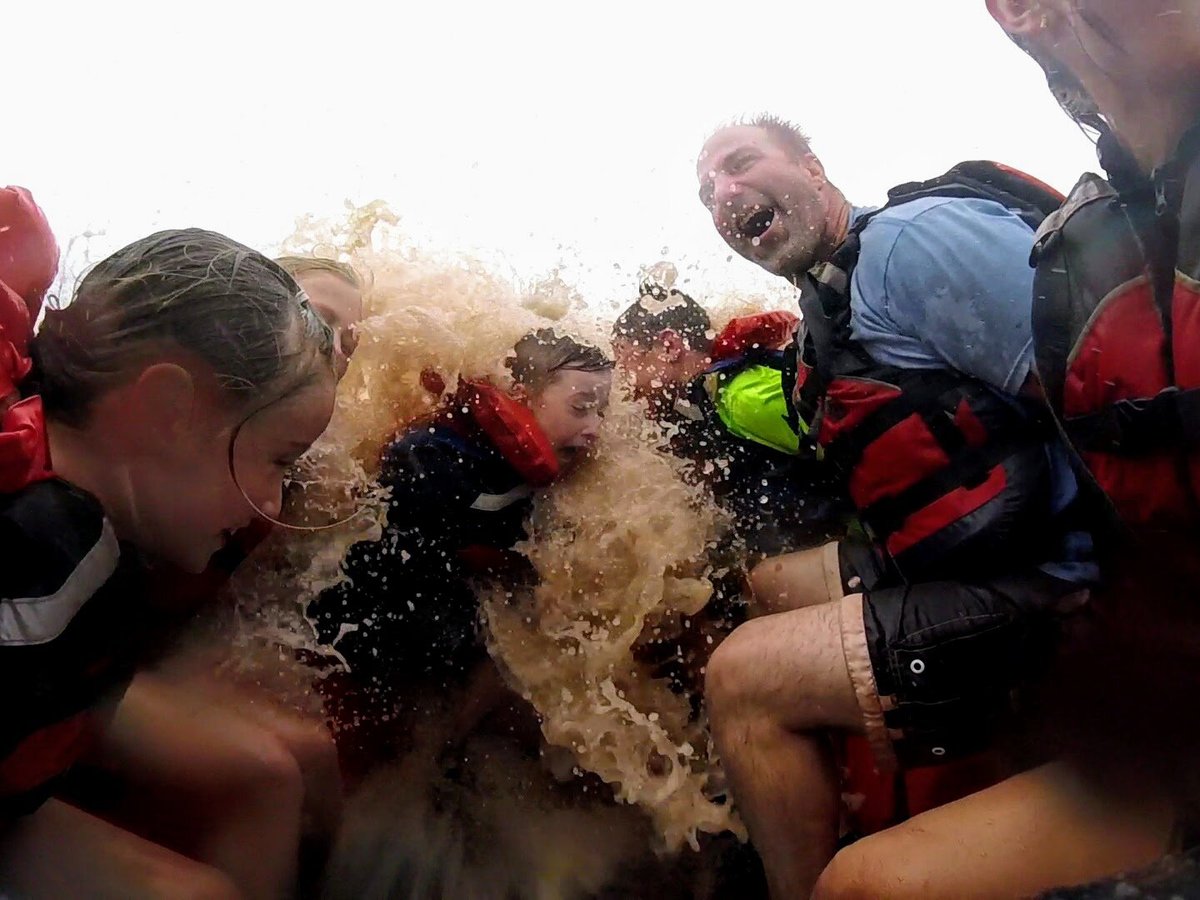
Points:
[[569, 410], [340, 304], [187, 498]]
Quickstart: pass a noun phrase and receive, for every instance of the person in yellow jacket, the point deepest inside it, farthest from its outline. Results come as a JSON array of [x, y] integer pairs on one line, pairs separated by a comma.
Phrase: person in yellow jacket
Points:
[[722, 404]]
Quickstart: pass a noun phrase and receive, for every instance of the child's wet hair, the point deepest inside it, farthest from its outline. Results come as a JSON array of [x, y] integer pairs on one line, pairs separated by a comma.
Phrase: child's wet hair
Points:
[[190, 290], [542, 354]]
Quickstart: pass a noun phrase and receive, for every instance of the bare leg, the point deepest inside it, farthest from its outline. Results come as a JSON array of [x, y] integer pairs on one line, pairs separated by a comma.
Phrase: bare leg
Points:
[[60, 851], [1038, 830], [795, 580], [774, 688], [212, 785]]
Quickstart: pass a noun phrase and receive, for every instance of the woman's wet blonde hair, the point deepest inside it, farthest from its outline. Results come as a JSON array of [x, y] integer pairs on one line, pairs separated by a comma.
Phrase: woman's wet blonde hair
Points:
[[301, 265]]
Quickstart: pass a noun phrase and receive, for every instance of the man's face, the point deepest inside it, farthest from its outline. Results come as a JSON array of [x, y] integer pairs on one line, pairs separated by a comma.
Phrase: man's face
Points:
[[767, 205]]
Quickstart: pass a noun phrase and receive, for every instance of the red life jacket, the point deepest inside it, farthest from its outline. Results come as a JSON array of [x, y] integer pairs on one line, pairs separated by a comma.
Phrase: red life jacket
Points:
[[1116, 325], [875, 800], [28, 250], [508, 423], [512, 427], [28, 263], [943, 470]]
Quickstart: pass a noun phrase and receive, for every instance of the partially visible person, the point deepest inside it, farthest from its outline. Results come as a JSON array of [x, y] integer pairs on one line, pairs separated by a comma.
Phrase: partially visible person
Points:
[[722, 401], [1115, 339], [336, 292], [913, 369], [406, 617], [163, 407]]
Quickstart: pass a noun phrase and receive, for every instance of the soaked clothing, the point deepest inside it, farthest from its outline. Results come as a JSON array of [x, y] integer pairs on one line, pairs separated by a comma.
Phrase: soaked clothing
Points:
[[973, 255], [956, 603], [938, 666], [1117, 335], [407, 607], [734, 427], [73, 624], [945, 283]]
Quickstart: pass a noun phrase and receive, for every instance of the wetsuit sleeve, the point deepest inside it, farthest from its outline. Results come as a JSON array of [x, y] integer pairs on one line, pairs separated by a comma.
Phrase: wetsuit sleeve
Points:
[[950, 284]]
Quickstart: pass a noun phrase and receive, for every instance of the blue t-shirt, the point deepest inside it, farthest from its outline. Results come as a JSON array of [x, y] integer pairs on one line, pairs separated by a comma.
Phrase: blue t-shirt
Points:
[[946, 282]]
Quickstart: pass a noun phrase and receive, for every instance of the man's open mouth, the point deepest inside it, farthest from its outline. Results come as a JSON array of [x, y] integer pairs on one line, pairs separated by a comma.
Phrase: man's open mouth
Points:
[[757, 224]]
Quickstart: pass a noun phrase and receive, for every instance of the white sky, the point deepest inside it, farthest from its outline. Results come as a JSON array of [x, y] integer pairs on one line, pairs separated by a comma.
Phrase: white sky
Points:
[[539, 132]]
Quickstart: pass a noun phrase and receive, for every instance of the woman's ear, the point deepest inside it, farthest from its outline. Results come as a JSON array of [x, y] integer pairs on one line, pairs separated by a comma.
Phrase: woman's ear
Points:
[[519, 392]]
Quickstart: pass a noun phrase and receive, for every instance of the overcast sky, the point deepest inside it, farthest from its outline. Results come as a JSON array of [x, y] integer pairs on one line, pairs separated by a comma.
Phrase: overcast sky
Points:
[[541, 133]]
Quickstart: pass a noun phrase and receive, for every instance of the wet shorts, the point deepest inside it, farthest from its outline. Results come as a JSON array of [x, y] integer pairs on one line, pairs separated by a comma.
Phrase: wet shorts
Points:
[[937, 667]]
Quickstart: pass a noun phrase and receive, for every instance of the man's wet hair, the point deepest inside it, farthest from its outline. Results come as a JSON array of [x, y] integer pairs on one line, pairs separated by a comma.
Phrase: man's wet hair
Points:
[[790, 136], [659, 309]]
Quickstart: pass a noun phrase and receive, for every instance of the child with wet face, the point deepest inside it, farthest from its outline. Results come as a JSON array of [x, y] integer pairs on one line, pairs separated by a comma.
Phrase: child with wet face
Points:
[[167, 402], [461, 489]]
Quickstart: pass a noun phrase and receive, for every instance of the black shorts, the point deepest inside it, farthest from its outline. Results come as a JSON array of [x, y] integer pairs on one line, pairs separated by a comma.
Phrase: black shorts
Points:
[[938, 667]]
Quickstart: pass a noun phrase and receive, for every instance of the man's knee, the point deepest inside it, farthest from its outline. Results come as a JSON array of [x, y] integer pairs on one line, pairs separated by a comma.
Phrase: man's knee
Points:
[[732, 673], [766, 580], [309, 741], [852, 875], [787, 582]]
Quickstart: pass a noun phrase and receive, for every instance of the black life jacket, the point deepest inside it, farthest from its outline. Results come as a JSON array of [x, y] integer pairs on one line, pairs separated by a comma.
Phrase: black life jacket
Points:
[[1116, 325], [949, 476]]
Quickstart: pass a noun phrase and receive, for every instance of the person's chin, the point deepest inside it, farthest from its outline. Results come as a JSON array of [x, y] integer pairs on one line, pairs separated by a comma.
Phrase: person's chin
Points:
[[195, 558]]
